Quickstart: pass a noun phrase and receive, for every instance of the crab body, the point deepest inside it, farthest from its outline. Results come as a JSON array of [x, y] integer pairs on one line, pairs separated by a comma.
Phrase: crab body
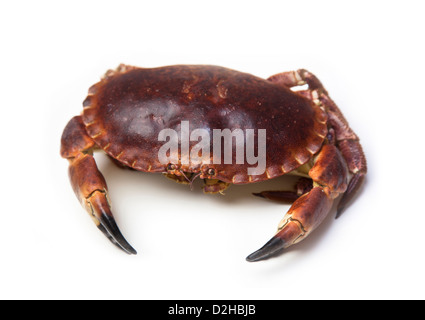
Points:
[[304, 133], [125, 114]]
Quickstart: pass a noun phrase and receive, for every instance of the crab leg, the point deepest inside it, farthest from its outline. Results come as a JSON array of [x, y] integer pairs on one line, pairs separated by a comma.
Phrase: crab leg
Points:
[[329, 175], [345, 138], [347, 142], [88, 183], [302, 186]]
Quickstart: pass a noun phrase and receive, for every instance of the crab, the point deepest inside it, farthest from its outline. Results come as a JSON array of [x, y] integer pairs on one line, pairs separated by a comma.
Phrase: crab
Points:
[[306, 135]]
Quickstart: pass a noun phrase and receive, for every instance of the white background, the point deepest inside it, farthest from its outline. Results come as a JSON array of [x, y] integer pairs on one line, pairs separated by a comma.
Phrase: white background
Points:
[[368, 54]]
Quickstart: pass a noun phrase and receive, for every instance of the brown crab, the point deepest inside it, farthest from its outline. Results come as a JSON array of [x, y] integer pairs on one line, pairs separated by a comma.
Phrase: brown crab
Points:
[[307, 135]]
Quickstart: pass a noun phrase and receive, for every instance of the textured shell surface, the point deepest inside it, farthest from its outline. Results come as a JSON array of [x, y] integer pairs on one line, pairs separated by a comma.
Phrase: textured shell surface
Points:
[[126, 110]]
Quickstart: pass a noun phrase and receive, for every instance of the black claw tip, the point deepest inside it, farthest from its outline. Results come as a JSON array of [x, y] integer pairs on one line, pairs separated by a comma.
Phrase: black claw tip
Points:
[[339, 212], [109, 227], [270, 249]]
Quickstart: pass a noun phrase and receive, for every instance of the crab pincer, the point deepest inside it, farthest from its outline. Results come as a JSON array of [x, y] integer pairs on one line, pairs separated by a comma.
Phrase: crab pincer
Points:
[[330, 176], [88, 183], [339, 168]]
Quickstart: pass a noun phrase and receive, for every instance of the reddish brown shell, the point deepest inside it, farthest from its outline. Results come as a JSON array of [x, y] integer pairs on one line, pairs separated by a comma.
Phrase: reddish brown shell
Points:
[[125, 112]]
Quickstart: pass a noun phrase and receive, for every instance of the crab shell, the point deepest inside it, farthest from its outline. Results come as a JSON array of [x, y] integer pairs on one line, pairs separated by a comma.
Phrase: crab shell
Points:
[[125, 112]]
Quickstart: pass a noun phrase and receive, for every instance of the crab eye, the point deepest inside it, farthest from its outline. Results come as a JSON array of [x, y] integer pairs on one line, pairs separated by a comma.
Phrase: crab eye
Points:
[[171, 167], [211, 172]]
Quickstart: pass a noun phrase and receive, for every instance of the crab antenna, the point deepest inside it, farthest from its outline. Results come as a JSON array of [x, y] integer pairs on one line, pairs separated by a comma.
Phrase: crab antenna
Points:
[[188, 180], [193, 179]]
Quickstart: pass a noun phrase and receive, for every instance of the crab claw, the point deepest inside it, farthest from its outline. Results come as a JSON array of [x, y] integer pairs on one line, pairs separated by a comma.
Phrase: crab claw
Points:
[[98, 206], [90, 188], [306, 213], [329, 174], [88, 183]]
